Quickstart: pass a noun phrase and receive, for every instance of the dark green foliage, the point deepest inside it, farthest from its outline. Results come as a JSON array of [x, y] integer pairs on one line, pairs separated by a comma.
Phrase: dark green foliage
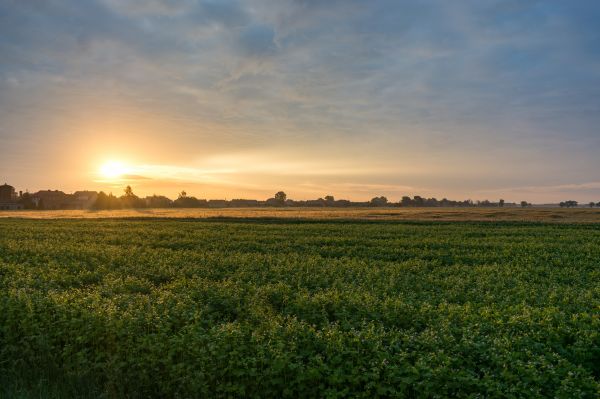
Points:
[[168, 308]]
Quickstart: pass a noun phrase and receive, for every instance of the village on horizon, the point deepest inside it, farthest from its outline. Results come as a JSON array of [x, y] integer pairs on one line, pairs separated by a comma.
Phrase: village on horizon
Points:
[[10, 199]]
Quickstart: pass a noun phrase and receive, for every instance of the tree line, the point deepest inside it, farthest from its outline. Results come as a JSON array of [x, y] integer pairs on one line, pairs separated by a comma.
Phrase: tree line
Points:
[[279, 199], [574, 204]]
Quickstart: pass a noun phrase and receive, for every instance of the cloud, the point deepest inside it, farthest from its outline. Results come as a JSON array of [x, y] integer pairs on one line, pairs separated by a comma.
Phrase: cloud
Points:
[[148, 8], [572, 188]]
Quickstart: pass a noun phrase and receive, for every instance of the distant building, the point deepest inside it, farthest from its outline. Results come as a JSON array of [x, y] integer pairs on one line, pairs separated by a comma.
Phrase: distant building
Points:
[[241, 203], [217, 204], [55, 199], [8, 198], [83, 199], [51, 199], [7, 193]]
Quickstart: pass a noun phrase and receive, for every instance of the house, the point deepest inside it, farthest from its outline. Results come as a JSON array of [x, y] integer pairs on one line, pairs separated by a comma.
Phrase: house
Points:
[[51, 199], [55, 199], [8, 198], [83, 199], [7, 193]]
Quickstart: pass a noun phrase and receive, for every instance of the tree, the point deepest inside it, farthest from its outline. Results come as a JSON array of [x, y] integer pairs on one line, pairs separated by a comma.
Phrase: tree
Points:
[[569, 204], [280, 197], [343, 203], [329, 200], [524, 204], [379, 201], [129, 192], [406, 201], [592, 204], [101, 201], [158, 201], [184, 201], [432, 202], [104, 201], [501, 203], [130, 200], [598, 204]]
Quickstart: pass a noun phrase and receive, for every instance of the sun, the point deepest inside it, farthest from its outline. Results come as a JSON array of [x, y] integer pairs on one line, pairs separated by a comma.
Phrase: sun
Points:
[[113, 169]]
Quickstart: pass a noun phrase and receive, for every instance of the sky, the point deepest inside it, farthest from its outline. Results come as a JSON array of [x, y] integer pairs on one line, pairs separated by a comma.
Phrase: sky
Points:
[[477, 99]]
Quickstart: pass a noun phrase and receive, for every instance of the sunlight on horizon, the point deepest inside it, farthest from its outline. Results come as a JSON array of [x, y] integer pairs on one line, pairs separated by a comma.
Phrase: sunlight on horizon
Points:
[[113, 170]]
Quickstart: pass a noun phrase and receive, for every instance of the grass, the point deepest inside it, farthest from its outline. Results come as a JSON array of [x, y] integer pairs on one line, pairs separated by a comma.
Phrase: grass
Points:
[[572, 215], [299, 308]]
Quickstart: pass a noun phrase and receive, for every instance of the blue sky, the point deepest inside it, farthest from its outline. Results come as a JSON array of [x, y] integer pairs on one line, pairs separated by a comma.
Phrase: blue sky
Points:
[[463, 99]]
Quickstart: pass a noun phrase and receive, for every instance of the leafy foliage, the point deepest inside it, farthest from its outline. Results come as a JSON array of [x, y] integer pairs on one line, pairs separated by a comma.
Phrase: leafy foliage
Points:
[[231, 308]]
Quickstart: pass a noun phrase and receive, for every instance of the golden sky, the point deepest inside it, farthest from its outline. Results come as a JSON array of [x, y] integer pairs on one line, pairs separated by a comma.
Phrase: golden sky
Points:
[[354, 99]]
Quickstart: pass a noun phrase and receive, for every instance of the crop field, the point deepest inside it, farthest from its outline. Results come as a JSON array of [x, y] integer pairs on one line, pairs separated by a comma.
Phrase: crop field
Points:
[[193, 308], [539, 214]]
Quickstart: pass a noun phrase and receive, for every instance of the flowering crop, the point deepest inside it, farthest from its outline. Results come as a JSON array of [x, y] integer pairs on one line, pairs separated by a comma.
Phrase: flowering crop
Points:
[[293, 308]]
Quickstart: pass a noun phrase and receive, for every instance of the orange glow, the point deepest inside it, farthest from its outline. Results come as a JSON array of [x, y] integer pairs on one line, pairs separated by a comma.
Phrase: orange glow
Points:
[[113, 170]]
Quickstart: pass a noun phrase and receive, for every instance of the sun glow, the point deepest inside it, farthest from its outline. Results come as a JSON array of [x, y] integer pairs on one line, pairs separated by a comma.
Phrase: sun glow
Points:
[[113, 170]]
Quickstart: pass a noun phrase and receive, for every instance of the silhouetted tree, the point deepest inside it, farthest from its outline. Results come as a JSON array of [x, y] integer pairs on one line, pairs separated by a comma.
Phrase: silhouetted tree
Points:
[[592, 204], [379, 201], [344, 203], [329, 200], [280, 198], [101, 201], [104, 201], [431, 202], [524, 204], [318, 202], [158, 201], [501, 203], [130, 200], [598, 204], [185, 201]]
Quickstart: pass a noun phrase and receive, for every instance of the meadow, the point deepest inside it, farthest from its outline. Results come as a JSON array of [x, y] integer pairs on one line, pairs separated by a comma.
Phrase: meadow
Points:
[[299, 307]]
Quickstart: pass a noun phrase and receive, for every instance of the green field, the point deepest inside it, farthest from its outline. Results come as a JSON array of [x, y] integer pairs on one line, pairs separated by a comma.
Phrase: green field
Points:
[[290, 308]]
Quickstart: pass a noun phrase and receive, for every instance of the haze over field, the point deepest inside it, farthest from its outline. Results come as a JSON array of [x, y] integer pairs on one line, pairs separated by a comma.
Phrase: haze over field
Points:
[[470, 99]]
